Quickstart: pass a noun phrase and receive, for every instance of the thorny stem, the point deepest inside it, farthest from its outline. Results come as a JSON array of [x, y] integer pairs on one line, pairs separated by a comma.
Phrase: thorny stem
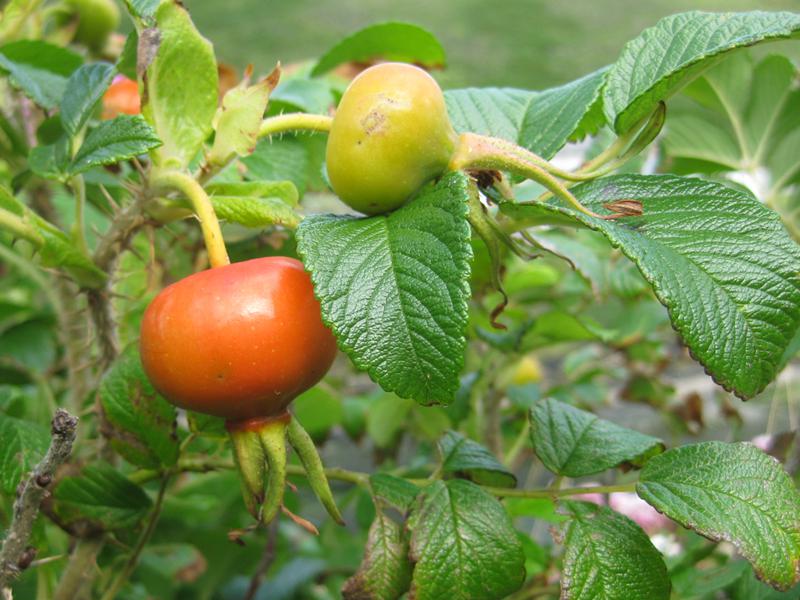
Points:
[[295, 122], [126, 223], [212, 234], [286, 123], [133, 559], [26, 506]]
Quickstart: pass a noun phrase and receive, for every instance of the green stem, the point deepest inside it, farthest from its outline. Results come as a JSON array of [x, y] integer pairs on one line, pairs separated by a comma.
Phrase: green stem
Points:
[[558, 493], [204, 465], [78, 187], [476, 152], [295, 122], [133, 560], [80, 569], [519, 443], [212, 234], [19, 227]]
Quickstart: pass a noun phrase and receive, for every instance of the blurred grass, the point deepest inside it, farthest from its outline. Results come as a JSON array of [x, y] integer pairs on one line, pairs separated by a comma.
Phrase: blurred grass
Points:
[[525, 43]]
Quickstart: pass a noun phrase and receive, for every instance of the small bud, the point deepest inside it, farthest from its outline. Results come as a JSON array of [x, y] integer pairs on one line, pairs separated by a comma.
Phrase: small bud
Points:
[[26, 558]]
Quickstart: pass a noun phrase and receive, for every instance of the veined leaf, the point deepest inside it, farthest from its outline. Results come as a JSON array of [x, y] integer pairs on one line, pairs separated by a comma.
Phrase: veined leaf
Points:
[[180, 97], [719, 260], [732, 492], [665, 57], [401, 42], [394, 288], [540, 121]]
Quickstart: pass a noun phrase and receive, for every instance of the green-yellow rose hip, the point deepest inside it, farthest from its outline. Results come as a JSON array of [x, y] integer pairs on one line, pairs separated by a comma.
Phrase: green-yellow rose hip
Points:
[[390, 135]]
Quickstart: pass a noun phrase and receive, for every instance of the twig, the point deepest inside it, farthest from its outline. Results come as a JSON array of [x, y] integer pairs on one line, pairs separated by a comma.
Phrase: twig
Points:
[[80, 570], [14, 556], [205, 465], [133, 559], [265, 563]]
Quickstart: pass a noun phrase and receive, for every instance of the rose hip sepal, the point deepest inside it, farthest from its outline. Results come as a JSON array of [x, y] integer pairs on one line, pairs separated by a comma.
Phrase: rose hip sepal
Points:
[[240, 342]]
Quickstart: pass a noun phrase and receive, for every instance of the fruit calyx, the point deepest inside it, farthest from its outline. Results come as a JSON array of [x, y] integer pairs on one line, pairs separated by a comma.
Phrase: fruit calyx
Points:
[[259, 447]]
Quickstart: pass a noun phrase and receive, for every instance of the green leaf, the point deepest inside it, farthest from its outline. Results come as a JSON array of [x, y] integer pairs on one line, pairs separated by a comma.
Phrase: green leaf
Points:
[[29, 344], [664, 58], [180, 97], [255, 212], [318, 411], [573, 442], [719, 260], [394, 288], [142, 422], [732, 492], [113, 141], [387, 418], [51, 161], [608, 557], [402, 42], [84, 90], [294, 158], [463, 545], [385, 572], [744, 116], [238, 120], [306, 95], [393, 491], [57, 249], [143, 9], [40, 70], [24, 445], [539, 121], [462, 455], [100, 497], [282, 190]]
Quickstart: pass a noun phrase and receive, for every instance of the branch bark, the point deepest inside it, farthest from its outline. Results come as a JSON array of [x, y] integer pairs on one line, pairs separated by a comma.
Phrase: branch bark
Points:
[[15, 554]]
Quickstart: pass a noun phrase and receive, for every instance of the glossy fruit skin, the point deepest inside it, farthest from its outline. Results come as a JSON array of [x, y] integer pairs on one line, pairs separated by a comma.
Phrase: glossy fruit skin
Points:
[[239, 341], [390, 135], [121, 97], [97, 19]]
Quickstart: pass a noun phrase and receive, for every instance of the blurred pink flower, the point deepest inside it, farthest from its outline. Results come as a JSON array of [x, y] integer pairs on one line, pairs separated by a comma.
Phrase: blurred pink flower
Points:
[[636, 509]]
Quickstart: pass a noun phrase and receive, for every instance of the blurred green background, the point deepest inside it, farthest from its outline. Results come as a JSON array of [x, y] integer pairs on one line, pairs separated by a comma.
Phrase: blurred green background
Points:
[[524, 43]]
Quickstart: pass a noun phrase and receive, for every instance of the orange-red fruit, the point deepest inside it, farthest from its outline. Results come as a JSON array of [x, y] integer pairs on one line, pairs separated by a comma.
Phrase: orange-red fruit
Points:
[[122, 97], [239, 341]]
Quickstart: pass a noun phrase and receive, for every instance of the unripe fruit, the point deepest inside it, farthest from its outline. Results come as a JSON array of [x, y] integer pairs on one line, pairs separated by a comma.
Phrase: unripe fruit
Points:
[[390, 135], [239, 341], [97, 19]]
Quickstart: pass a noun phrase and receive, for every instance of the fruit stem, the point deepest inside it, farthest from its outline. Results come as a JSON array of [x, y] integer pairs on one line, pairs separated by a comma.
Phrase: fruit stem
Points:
[[212, 234], [295, 122], [476, 152], [623, 149], [315, 472]]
